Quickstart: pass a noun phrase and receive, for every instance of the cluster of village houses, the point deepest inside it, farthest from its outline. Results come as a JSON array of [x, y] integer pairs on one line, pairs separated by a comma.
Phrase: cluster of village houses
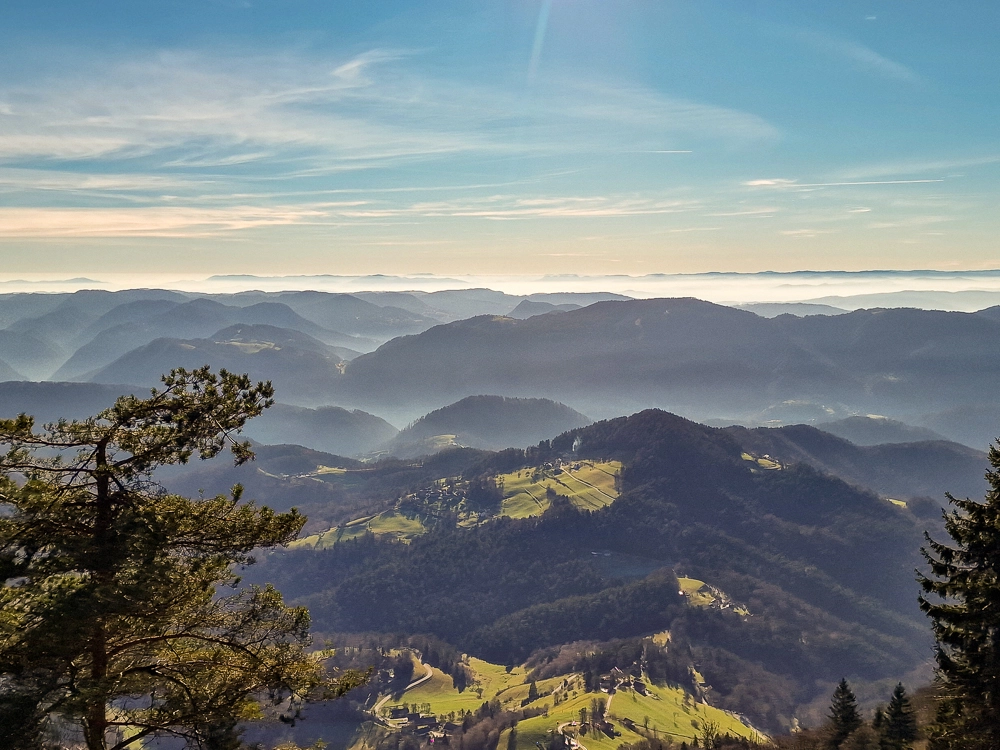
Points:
[[434, 730], [426, 726]]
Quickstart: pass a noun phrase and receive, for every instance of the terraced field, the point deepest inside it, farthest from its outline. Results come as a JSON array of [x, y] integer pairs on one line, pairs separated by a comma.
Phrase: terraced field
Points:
[[390, 523], [589, 485]]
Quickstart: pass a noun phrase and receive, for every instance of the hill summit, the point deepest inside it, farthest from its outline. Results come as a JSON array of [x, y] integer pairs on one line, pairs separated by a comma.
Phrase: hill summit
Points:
[[488, 422]]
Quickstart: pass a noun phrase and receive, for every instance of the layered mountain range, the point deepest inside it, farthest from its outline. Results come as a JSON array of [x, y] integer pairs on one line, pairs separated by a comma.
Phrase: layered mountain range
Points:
[[401, 355]]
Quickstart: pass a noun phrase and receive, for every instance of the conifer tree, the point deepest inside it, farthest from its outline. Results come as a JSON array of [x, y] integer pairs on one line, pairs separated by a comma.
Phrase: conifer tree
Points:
[[844, 716], [899, 724], [965, 612], [113, 630]]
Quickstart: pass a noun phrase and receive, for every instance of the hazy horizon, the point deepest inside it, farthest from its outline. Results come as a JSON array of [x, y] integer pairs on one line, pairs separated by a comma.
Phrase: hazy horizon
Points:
[[960, 290]]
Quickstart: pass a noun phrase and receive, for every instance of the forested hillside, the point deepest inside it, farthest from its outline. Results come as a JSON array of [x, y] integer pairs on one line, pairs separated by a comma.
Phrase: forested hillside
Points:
[[790, 551], [490, 422]]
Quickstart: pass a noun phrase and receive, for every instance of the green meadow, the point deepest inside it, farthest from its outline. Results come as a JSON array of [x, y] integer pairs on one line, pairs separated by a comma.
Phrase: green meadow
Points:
[[589, 485], [390, 523], [488, 681], [663, 711], [698, 594]]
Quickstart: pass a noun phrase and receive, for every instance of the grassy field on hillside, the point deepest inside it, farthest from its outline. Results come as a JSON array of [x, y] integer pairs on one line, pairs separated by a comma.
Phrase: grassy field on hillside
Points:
[[670, 712], [765, 462], [488, 681], [697, 592], [666, 711], [589, 485], [391, 522]]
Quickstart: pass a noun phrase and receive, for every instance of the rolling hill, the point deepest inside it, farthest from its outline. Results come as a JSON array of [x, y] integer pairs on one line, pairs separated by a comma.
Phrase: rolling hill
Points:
[[354, 316], [27, 356], [199, 318], [875, 430], [489, 422], [529, 308], [327, 428], [898, 470], [300, 367], [48, 402]]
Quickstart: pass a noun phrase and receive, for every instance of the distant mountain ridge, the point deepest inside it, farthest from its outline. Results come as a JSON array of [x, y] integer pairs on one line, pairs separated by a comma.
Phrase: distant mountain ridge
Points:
[[299, 366], [196, 319], [876, 430], [897, 470], [49, 402], [694, 357], [930, 369], [72, 335]]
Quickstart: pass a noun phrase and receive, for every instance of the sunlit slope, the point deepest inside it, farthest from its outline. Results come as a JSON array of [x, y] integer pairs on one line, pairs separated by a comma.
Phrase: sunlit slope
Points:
[[662, 712], [488, 681], [671, 713], [390, 523], [588, 485]]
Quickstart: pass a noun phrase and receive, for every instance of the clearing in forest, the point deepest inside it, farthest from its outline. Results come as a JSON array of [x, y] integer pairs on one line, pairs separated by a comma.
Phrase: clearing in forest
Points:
[[589, 485], [662, 712]]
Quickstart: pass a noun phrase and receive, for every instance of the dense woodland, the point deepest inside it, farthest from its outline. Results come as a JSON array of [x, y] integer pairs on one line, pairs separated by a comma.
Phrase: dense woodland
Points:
[[794, 547]]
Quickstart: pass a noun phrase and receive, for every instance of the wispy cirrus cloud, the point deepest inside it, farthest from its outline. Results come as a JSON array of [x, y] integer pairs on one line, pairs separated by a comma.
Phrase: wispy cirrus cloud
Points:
[[513, 207], [786, 184], [193, 109], [213, 144], [196, 221], [858, 55], [161, 221], [918, 166]]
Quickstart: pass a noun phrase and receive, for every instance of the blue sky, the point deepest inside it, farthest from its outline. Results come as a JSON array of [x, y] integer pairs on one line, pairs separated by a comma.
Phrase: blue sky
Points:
[[541, 136]]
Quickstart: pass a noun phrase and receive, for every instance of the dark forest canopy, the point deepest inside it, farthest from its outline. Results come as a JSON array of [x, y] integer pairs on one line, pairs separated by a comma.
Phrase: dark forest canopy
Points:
[[794, 548]]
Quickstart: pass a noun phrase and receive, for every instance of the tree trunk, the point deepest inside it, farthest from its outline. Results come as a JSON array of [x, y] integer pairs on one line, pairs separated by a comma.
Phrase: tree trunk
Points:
[[96, 720]]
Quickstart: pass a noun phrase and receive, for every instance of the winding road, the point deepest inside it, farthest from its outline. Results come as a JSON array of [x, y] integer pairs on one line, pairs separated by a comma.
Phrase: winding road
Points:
[[385, 698], [565, 724]]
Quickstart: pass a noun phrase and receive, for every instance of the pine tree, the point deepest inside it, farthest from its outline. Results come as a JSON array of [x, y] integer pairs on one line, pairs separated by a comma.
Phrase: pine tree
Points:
[[111, 614], [899, 725], [965, 613], [844, 716]]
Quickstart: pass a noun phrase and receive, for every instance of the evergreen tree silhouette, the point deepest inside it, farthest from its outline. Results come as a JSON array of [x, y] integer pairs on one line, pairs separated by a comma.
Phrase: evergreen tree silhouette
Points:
[[899, 727], [844, 716], [966, 619]]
